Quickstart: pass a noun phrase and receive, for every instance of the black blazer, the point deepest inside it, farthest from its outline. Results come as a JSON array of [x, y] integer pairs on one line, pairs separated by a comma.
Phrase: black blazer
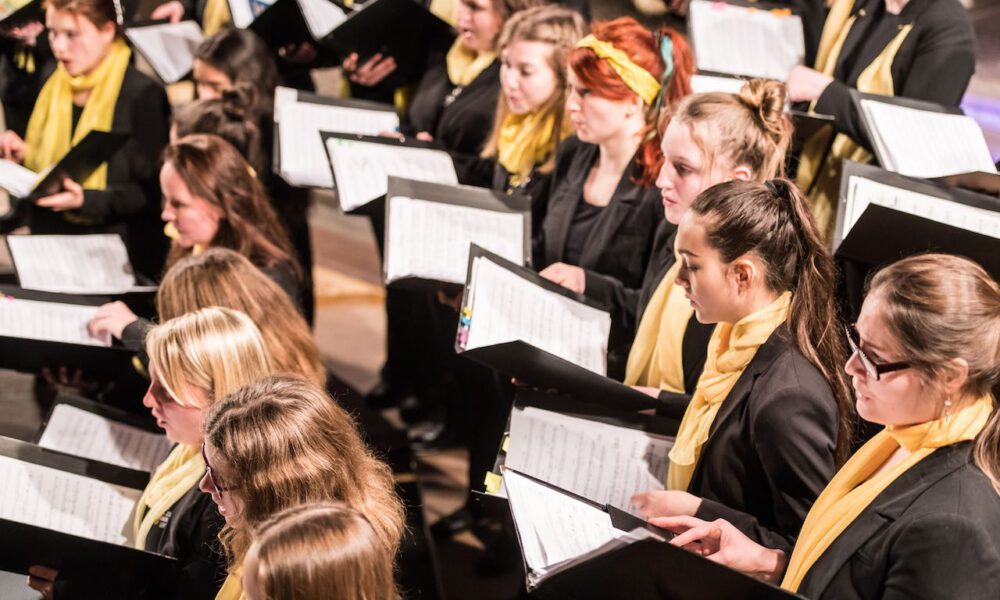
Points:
[[934, 63], [771, 450], [536, 187], [620, 244], [933, 533]]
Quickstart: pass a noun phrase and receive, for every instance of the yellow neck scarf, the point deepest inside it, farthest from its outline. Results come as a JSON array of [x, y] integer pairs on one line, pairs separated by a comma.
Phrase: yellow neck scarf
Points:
[[656, 356], [215, 16], [730, 350], [232, 587], [527, 141], [637, 79], [50, 130], [819, 171], [857, 484], [464, 65], [174, 478]]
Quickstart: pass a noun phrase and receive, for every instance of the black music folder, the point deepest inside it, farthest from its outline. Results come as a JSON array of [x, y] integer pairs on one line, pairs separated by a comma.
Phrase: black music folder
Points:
[[30, 12], [403, 29], [81, 160], [288, 22], [891, 216], [33, 519], [537, 367], [429, 228]]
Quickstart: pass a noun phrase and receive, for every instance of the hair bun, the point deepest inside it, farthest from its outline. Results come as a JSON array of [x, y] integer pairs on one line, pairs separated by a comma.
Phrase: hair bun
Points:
[[238, 101], [767, 97]]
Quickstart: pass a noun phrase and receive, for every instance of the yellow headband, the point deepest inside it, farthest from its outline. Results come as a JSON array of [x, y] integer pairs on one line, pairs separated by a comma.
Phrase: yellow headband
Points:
[[638, 80]]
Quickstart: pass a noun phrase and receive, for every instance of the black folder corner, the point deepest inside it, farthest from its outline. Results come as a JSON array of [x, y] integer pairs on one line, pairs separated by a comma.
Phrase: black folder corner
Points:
[[82, 159]]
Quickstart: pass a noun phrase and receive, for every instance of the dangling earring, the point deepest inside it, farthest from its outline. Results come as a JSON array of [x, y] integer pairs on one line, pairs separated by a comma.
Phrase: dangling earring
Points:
[[947, 408]]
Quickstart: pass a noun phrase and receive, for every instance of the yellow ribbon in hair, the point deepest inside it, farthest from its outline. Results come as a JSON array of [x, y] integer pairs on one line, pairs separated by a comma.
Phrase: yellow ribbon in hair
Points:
[[177, 475], [638, 80], [730, 350], [215, 16], [464, 65], [858, 483], [232, 587], [50, 132], [656, 359], [527, 141]]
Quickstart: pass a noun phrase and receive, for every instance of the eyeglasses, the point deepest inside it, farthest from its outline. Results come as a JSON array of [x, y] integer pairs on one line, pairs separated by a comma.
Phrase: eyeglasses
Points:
[[873, 368], [219, 488]]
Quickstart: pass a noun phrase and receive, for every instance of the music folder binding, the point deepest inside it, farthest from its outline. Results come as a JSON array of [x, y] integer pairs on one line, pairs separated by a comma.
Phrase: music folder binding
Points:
[[883, 234], [437, 242], [25, 545], [82, 159]]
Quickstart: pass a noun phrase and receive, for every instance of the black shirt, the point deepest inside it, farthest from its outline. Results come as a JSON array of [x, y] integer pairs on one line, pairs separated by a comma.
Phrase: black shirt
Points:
[[580, 228]]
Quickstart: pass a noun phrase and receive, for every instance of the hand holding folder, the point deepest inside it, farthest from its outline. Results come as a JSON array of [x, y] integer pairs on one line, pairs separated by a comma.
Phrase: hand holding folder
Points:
[[81, 160]]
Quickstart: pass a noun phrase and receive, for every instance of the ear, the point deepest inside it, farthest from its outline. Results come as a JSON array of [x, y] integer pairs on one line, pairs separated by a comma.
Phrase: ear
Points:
[[954, 375], [742, 173], [635, 106], [746, 273], [108, 31]]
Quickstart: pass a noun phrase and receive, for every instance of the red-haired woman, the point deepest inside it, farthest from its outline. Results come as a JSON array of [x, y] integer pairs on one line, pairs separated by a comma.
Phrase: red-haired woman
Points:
[[603, 209]]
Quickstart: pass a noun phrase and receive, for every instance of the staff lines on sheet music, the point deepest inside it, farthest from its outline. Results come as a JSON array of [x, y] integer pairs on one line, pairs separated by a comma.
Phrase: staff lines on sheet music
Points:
[[81, 433], [72, 263], [745, 41], [321, 16], [47, 321]]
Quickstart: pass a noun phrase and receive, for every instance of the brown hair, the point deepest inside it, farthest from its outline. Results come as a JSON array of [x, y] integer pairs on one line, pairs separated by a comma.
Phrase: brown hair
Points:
[[507, 8], [230, 117], [322, 550], [220, 277], [98, 12], [772, 220], [561, 28], [216, 172], [288, 443], [244, 58], [643, 47], [750, 128]]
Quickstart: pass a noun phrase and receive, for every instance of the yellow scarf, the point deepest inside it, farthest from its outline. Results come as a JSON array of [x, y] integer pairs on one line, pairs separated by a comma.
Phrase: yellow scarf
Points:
[[730, 350], [819, 172], [50, 130], [656, 356], [527, 141], [855, 487], [232, 587], [464, 65], [174, 478], [637, 79], [216, 15]]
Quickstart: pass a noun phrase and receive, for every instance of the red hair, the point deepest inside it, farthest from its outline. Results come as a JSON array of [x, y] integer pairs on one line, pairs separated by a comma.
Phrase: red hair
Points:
[[642, 47]]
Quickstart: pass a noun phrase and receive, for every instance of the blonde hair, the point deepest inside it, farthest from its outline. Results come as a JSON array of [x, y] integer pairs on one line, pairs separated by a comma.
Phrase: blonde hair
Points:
[[288, 443], [322, 550], [559, 27], [221, 277], [750, 128], [214, 349]]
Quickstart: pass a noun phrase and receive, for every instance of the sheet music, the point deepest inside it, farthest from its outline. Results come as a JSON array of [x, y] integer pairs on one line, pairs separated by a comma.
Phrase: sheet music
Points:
[[701, 84], [745, 41], [61, 501], [245, 11], [72, 264], [303, 159], [169, 48], [75, 431], [922, 143], [48, 321], [18, 180], [431, 240], [321, 16], [601, 462], [862, 192], [505, 307], [362, 169]]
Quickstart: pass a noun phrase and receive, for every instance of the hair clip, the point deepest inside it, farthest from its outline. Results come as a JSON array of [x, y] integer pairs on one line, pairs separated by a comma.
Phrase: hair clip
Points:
[[119, 13]]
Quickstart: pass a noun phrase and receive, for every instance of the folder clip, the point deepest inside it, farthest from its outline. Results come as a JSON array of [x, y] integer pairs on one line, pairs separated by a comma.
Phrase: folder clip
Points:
[[492, 482]]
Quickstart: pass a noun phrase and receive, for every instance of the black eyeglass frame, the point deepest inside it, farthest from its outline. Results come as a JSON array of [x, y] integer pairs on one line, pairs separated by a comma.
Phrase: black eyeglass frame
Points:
[[872, 367], [219, 489]]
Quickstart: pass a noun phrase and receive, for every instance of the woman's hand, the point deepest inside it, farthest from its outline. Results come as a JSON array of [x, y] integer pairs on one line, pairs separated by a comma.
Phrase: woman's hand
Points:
[[26, 34], [173, 10], [565, 275], [805, 84], [42, 580], [370, 73], [721, 542], [301, 54], [111, 318], [12, 147], [664, 503], [71, 197]]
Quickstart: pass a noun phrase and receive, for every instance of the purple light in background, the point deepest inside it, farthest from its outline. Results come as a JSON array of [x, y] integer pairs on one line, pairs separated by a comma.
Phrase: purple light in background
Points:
[[986, 112]]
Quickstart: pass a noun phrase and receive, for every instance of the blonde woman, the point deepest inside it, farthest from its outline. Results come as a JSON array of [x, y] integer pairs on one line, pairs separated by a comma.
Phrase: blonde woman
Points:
[[317, 551], [194, 359], [282, 442]]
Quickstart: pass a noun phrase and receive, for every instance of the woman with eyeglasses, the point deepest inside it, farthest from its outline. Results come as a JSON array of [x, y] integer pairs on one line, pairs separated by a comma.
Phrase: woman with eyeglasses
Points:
[[910, 515], [194, 360]]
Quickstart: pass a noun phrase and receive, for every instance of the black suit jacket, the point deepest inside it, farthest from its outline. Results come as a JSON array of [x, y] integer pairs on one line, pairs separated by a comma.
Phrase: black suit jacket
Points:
[[933, 533], [771, 449]]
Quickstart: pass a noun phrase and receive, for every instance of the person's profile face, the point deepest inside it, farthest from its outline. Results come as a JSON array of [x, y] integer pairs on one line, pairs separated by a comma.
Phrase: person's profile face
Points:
[[77, 44], [478, 24], [526, 76], [194, 218], [596, 119], [707, 281], [181, 422], [218, 482], [209, 81]]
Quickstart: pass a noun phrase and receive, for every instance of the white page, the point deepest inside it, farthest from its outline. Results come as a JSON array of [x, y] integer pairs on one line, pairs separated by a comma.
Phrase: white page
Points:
[[72, 264], [745, 41], [506, 307], [363, 168], [16, 179], [48, 321], [601, 462], [303, 159], [863, 192], [245, 11], [75, 431], [321, 16], [431, 240], [701, 84], [282, 96], [65, 502], [169, 48], [922, 143]]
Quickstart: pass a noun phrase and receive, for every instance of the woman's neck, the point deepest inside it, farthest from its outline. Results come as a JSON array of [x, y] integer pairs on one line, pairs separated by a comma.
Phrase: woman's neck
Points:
[[615, 154], [755, 301], [894, 7]]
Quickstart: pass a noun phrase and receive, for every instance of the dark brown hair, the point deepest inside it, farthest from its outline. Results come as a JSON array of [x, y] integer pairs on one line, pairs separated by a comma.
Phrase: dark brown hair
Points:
[[243, 58], [772, 221], [98, 12], [230, 117]]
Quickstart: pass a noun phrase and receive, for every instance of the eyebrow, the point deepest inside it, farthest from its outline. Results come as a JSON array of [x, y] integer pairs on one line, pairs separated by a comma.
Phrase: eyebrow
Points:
[[687, 253]]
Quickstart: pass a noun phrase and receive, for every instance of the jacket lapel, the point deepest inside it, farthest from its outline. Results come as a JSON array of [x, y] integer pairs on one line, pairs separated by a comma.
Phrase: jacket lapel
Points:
[[562, 206], [626, 197]]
